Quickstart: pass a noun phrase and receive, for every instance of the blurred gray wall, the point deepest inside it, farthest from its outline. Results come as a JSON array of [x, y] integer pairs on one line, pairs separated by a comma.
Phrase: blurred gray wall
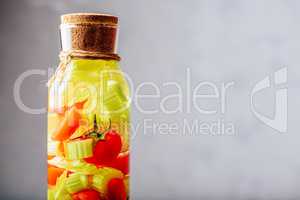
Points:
[[220, 41]]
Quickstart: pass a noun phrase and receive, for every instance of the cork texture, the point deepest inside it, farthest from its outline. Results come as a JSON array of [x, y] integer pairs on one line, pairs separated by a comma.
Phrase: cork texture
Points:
[[89, 32], [86, 18]]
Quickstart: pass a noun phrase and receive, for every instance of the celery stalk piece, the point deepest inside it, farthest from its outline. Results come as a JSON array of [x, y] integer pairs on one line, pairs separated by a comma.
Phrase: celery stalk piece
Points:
[[104, 175], [67, 197], [77, 166], [50, 194], [64, 196], [82, 168], [81, 130], [79, 149], [52, 147], [76, 182], [60, 190], [58, 162]]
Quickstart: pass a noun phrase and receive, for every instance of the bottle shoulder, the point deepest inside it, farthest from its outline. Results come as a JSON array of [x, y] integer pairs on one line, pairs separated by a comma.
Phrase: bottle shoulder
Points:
[[83, 78]]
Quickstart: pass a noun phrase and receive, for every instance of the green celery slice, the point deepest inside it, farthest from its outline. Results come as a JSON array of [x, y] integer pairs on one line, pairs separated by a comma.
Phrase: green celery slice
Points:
[[50, 194], [52, 147], [79, 149], [76, 182], [77, 166], [104, 175], [60, 190], [82, 168]]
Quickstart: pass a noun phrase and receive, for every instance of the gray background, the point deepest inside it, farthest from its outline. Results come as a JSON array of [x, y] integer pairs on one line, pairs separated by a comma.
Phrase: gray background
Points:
[[220, 41]]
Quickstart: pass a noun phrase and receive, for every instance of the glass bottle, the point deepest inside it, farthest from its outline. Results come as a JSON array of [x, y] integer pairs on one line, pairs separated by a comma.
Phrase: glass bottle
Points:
[[88, 113]]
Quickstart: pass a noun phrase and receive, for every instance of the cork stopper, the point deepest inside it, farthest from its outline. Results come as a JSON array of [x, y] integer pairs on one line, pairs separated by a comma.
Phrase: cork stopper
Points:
[[89, 32], [86, 18]]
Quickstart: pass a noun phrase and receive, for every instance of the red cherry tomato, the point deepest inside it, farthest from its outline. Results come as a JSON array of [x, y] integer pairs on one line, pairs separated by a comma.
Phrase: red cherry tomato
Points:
[[108, 149], [86, 195], [121, 163], [92, 160], [116, 189]]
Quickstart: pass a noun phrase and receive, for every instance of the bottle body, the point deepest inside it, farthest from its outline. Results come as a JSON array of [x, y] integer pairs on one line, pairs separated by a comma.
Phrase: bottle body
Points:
[[88, 131]]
